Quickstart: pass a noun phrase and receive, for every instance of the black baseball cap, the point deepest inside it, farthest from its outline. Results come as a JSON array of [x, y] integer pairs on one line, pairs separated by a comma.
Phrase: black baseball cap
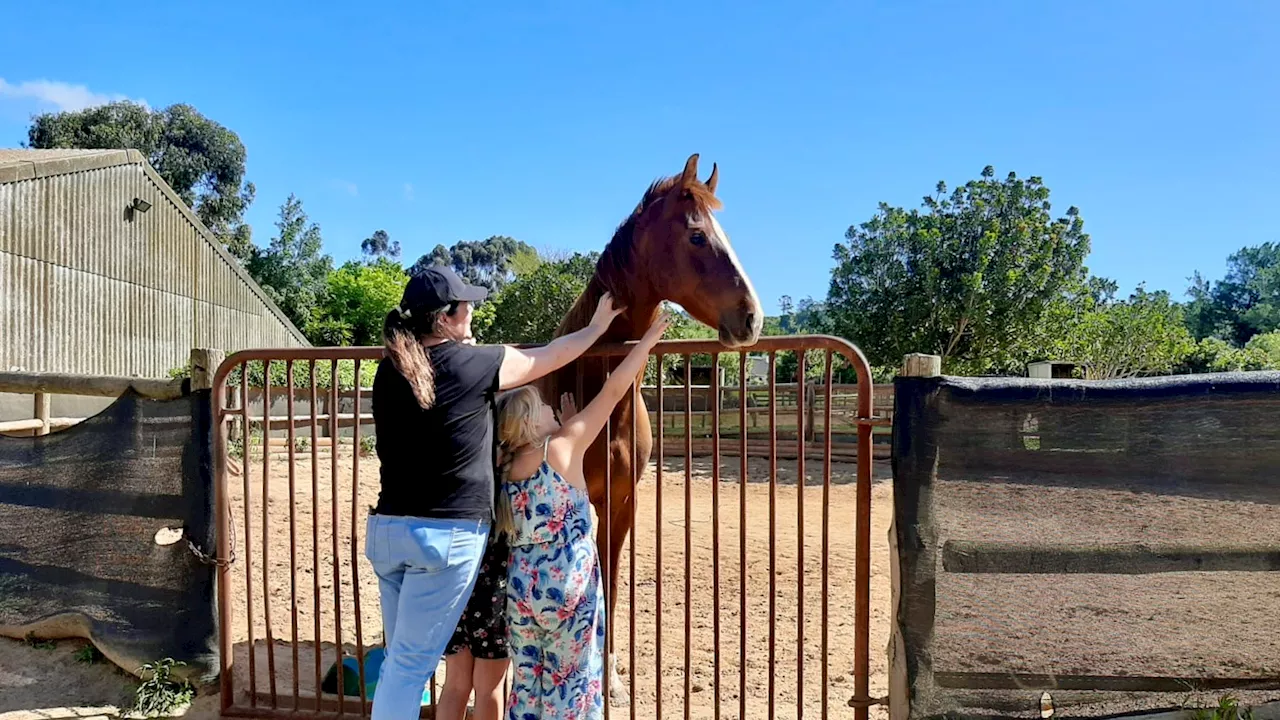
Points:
[[436, 288]]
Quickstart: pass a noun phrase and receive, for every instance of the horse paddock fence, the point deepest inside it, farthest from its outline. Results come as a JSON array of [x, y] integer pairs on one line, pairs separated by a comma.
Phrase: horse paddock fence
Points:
[[729, 596]]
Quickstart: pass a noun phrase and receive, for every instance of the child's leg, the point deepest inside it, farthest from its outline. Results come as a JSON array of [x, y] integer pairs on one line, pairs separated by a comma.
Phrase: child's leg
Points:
[[458, 668]]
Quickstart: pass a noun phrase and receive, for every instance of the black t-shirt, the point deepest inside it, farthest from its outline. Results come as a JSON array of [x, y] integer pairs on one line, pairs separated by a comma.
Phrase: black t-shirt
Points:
[[439, 463]]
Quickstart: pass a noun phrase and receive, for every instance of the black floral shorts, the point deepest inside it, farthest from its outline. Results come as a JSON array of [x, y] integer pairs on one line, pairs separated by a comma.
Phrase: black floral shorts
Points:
[[482, 629]]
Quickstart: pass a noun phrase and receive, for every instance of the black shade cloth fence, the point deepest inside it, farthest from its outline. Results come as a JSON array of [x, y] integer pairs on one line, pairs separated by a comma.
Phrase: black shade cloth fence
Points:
[[1115, 544], [79, 515]]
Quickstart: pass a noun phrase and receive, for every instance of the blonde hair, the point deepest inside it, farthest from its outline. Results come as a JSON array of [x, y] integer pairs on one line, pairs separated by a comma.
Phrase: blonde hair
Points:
[[517, 429]]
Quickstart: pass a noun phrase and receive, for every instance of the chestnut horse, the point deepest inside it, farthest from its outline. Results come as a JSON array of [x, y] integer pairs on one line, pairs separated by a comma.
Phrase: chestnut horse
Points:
[[670, 249]]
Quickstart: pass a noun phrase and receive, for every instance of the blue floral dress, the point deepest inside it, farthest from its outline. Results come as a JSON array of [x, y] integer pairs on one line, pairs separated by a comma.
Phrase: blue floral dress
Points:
[[555, 602]]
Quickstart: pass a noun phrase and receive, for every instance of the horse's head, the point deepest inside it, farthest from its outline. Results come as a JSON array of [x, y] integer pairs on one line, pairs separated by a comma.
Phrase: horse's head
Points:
[[689, 259]]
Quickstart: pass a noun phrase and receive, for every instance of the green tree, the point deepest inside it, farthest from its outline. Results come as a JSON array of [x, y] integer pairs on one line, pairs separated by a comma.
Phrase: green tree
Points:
[[1242, 304], [356, 301], [1212, 355], [1145, 334], [293, 270], [200, 159], [487, 262], [380, 245], [1268, 345], [530, 307], [963, 278]]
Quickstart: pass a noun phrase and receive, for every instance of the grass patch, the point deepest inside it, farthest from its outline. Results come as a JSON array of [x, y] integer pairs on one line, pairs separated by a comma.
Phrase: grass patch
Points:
[[160, 693], [88, 654], [34, 642], [1228, 709]]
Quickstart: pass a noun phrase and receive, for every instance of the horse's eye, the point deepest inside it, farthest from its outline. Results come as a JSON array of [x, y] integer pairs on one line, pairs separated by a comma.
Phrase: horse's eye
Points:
[[697, 238]]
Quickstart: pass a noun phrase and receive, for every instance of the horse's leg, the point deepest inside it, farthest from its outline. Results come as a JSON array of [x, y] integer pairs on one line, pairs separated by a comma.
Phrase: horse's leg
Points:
[[623, 498], [619, 527]]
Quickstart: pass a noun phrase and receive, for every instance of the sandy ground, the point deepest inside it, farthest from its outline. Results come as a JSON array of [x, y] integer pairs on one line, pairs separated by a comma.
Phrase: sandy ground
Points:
[[1069, 623], [46, 680]]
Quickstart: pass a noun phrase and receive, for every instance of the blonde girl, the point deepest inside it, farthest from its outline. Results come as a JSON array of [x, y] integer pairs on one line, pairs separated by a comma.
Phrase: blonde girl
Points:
[[555, 601]]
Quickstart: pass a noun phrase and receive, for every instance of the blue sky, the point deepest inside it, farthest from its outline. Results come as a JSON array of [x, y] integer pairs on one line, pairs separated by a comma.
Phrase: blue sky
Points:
[[546, 120]]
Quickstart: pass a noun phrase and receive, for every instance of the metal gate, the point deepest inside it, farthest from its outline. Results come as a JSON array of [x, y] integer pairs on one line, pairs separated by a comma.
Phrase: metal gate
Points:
[[761, 576]]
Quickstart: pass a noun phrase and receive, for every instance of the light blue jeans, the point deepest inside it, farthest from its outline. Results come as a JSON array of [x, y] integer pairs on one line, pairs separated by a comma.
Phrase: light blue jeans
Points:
[[426, 570]]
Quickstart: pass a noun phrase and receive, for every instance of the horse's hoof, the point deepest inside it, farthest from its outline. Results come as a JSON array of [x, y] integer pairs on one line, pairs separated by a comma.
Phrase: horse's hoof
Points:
[[619, 696]]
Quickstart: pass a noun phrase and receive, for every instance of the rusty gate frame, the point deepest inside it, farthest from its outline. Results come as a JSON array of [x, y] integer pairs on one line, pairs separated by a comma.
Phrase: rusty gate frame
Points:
[[865, 421]]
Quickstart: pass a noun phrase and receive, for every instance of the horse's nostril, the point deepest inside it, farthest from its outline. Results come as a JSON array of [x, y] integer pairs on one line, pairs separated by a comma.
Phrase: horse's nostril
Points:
[[751, 320]]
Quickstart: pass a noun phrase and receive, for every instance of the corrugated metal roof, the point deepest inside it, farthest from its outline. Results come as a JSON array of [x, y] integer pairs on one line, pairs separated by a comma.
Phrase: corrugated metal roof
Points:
[[15, 155], [17, 165]]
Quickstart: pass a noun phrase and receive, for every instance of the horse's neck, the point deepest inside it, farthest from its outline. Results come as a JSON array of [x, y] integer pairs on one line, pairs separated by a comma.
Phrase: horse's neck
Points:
[[631, 325]]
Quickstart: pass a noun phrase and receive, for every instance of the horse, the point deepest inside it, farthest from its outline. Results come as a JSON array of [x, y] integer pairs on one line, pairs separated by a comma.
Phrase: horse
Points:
[[671, 248]]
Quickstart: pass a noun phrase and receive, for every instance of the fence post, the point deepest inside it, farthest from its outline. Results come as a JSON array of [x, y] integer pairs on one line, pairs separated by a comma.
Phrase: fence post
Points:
[[204, 363], [913, 365], [920, 365], [41, 412]]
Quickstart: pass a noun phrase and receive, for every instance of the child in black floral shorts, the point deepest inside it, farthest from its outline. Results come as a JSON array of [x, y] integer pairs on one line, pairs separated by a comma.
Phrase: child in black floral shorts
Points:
[[477, 655]]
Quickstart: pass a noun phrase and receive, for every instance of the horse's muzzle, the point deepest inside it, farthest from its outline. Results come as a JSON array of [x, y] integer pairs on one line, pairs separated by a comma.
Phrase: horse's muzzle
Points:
[[741, 329]]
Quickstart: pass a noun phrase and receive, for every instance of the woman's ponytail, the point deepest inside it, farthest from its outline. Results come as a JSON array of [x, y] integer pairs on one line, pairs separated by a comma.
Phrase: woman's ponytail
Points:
[[409, 357]]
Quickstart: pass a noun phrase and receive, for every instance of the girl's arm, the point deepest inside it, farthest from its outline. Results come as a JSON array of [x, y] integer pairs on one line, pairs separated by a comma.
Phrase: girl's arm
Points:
[[581, 429], [521, 367]]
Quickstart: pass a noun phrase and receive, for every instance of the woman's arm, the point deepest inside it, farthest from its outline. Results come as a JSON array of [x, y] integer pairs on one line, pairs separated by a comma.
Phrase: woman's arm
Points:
[[582, 428], [521, 367]]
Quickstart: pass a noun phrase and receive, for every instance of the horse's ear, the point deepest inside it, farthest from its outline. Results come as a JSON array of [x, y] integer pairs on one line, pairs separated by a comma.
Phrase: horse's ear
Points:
[[690, 174], [715, 178]]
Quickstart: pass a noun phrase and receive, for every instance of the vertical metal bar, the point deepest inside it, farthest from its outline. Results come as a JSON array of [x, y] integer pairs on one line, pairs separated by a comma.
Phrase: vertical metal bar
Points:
[[355, 542], [225, 648], [688, 535], [248, 534], [801, 416], [220, 446], [293, 532], [773, 527], [657, 551], [715, 522], [826, 534], [742, 535], [862, 547], [315, 531], [333, 528], [266, 527], [631, 567], [606, 522]]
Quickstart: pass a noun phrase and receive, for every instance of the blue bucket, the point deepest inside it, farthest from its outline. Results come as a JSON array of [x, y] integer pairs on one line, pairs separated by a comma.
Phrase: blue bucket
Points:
[[373, 666]]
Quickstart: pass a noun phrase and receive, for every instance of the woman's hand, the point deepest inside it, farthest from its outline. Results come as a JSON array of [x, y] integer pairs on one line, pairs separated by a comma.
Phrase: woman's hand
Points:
[[605, 313], [567, 407], [653, 335]]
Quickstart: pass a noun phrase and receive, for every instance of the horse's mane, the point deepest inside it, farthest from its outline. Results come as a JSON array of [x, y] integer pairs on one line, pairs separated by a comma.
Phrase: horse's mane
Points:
[[617, 262]]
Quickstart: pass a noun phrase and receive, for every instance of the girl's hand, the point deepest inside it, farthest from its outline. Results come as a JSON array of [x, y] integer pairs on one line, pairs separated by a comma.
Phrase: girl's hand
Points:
[[654, 334], [567, 407], [605, 312]]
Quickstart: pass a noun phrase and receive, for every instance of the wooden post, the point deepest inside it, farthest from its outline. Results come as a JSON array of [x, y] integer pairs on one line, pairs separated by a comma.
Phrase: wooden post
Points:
[[41, 412], [919, 365], [204, 364], [913, 365]]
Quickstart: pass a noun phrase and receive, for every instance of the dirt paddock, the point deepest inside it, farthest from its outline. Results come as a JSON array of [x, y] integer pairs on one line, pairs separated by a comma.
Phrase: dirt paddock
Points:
[[331, 573]]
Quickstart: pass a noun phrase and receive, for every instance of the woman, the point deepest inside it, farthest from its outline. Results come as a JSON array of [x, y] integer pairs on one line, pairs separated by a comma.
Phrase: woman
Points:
[[433, 409]]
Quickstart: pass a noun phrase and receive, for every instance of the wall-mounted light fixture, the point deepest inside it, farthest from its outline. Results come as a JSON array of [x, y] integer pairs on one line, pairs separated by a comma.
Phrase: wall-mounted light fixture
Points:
[[140, 205]]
